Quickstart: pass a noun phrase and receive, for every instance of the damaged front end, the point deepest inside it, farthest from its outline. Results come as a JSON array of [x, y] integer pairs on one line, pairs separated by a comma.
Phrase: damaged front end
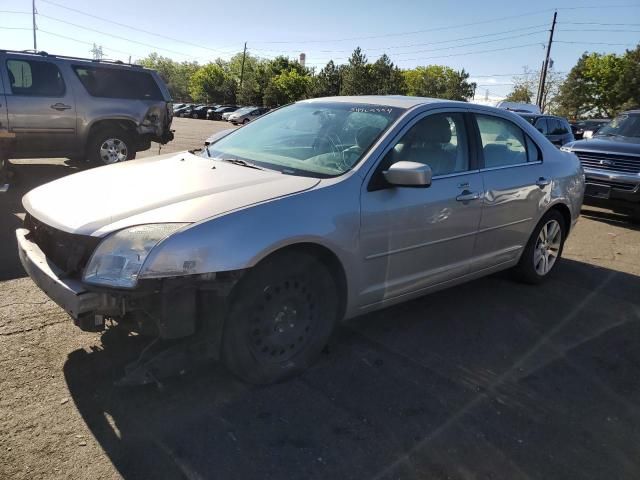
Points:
[[177, 312]]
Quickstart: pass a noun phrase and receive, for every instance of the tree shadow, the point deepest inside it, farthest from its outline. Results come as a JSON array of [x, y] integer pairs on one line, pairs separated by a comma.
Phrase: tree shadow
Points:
[[492, 379], [26, 176]]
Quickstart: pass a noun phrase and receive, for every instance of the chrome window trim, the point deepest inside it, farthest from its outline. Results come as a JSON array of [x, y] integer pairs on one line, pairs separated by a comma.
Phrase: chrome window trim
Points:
[[456, 174], [515, 165]]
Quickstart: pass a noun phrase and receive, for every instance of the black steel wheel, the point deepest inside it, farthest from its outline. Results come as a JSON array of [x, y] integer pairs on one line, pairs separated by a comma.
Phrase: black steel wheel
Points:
[[280, 318]]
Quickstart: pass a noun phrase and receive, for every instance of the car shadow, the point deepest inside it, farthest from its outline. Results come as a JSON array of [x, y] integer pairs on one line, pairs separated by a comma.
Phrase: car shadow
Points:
[[26, 176], [610, 218], [491, 379]]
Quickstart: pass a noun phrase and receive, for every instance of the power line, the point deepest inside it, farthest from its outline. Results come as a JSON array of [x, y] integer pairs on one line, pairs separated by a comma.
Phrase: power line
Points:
[[602, 24], [598, 43], [81, 41], [15, 12], [416, 44], [155, 47], [435, 29], [166, 37]]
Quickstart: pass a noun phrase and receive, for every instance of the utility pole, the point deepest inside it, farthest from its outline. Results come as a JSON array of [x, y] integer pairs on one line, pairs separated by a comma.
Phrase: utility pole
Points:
[[545, 66], [244, 55], [33, 18]]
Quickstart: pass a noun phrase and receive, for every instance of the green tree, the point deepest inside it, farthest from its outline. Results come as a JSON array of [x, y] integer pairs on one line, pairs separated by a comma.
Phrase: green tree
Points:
[[356, 76], [175, 74], [602, 84], [288, 86], [439, 81], [520, 93], [386, 78], [327, 82], [210, 83]]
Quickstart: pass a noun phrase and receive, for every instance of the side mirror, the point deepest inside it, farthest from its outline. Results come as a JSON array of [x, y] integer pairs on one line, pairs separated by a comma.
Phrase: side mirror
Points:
[[408, 174]]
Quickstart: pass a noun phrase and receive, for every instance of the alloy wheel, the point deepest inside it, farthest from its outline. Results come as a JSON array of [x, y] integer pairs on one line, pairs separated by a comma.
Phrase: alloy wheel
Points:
[[547, 247], [113, 150]]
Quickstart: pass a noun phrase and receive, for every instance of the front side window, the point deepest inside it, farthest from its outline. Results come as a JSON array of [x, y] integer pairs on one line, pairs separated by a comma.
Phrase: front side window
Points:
[[503, 143], [437, 140], [38, 79], [320, 139], [118, 83]]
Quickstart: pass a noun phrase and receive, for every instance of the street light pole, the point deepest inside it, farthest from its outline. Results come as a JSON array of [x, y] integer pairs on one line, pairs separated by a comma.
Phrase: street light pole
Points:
[[545, 67], [33, 18]]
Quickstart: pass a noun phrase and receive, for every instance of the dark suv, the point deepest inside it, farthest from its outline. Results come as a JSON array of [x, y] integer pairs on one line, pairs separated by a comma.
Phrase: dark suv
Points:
[[556, 129], [611, 162], [78, 108]]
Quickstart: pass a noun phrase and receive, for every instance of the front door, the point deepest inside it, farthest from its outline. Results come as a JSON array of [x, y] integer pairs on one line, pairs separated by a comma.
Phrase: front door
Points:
[[41, 108], [413, 238]]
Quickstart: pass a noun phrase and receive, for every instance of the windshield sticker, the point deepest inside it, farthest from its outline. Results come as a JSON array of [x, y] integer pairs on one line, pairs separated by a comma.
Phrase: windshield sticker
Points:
[[386, 110]]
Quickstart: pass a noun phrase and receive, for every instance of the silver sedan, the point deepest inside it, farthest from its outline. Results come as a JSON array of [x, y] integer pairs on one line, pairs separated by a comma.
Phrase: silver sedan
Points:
[[316, 212]]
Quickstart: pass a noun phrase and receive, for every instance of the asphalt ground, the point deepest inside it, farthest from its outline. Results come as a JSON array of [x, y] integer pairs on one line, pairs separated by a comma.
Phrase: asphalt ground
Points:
[[489, 380]]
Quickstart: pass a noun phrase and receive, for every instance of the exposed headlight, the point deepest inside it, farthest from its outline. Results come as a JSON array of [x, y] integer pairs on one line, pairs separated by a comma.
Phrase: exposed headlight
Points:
[[119, 257]]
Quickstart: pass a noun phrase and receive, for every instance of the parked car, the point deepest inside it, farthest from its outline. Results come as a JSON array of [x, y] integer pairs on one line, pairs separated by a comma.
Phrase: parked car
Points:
[[200, 112], [254, 249], [246, 115], [579, 128], [187, 111], [81, 109], [611, 161], [176, 106], [556, 129], [519, 107], [216, 114], [225, 116]]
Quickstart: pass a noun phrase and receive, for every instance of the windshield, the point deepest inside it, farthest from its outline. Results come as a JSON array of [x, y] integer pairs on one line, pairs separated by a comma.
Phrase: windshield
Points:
[[242, 110], [312, 139], [625, 125]]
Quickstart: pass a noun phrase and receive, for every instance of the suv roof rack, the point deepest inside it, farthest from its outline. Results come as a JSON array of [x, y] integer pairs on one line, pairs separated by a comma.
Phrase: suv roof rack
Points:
[[65, 57]]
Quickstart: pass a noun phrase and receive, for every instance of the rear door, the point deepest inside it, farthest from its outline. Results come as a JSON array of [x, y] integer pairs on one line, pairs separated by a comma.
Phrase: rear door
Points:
[[41, 107], [515, 186]]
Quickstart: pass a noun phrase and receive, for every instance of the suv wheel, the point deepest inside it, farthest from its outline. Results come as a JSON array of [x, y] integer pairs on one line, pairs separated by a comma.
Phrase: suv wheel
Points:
[[194, 115], [280, 317], [111, 145], [245, 121]]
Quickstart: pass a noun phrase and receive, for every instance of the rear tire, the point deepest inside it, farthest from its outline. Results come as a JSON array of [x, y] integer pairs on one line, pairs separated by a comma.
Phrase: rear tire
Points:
[[110, 145], [543, 250], [245, 121], [280, 317]]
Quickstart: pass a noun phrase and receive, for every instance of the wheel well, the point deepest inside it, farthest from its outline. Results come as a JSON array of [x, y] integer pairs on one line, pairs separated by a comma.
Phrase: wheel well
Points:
[[565, 212], [329, 260], [125, 125]]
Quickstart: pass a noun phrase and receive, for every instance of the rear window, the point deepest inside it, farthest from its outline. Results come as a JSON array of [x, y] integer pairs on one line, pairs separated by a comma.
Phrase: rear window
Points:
[[116, 83]]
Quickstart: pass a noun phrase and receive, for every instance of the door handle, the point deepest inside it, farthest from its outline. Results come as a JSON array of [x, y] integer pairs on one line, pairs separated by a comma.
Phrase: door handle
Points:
[[60, 106], [467, 196], [543, 182]]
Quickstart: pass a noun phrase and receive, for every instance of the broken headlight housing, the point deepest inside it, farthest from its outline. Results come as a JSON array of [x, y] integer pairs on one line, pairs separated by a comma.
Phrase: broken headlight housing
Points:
[[119, 258]]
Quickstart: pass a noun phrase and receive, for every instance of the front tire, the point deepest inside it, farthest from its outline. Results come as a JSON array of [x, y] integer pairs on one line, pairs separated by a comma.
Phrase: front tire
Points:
[[110, 145], [280, 317], [543, 250]]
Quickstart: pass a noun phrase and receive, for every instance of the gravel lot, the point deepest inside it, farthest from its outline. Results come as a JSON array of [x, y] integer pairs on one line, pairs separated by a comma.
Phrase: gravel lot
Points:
[[490, 380]]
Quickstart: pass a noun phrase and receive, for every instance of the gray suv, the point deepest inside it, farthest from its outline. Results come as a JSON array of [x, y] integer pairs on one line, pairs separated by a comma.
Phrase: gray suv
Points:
[[81, 109]]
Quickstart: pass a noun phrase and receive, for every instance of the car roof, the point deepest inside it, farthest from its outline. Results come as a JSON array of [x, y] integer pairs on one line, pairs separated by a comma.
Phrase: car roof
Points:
[[399, 101]]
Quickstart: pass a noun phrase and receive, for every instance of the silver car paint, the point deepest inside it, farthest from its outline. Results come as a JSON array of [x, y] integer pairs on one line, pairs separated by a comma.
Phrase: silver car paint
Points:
[[391, 246], [45, 132]]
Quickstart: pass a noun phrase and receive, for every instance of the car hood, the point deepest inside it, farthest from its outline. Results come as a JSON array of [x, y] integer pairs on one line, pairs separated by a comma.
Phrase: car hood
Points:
[[622, 145], [169, 188]]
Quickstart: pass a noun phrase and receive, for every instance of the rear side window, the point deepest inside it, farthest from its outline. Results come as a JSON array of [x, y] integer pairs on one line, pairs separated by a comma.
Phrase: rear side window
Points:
[[558, 126], [542, 126], [117, 83], [38, 79], [503, 143]]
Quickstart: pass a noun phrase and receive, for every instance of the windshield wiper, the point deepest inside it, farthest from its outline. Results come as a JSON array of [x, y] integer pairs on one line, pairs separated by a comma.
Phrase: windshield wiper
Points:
[[242, 163]]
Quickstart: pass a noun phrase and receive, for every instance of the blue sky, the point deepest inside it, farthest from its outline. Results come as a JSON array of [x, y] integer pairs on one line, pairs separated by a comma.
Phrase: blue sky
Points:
[[491, 39]]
